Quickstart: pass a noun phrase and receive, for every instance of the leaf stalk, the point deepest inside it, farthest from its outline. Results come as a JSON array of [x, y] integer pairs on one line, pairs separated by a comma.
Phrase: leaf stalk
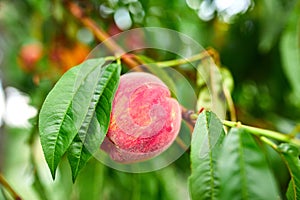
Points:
[[263, 132]]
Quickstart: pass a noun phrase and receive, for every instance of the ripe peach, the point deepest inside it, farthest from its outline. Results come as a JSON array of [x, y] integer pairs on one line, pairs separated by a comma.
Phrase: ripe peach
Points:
[[145, 120]]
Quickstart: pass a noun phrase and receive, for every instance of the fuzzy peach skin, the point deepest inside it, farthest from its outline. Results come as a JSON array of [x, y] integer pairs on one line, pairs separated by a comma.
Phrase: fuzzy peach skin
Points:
[[145, 120]]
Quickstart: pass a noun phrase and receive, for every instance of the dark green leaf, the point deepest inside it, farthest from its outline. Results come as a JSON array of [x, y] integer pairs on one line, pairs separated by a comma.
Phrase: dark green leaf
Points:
[[205, 147], [65, 108], [243, 168], [95, 125], [290, 155]]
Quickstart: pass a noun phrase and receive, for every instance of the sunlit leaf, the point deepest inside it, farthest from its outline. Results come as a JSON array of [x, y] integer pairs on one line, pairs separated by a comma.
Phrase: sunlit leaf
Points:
[[243, 168], [95, 125], [205, 147], [69, 108], [290, 155]]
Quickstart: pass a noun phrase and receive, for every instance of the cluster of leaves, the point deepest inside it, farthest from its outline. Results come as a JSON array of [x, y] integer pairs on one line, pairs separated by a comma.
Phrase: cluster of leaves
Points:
[[234, 166], [76, 113]]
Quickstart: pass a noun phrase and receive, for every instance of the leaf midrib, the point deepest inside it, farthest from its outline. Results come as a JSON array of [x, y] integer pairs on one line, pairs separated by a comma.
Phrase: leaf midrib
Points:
[[293, 182], [64, 117], [210, 159], [81, 147], [243, 167]]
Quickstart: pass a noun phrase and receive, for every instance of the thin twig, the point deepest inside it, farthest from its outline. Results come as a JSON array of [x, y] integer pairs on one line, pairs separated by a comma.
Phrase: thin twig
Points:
[[100, 34], [263, 132], [215, 55], [202, 55], [230, 104], [269, 142], [9, 188]]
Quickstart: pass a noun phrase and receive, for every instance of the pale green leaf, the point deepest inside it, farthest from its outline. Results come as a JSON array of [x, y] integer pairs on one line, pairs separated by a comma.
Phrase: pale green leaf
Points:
[[65, 109], [95, 125], [210, 82], [205, 147]]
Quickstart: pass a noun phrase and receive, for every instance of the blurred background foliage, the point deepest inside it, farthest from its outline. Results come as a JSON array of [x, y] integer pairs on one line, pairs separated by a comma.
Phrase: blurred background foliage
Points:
[[258, 41]]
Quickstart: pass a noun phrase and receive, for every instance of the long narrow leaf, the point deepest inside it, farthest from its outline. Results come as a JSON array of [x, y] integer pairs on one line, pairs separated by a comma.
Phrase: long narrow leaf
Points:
[[205, 147], [244, 171], [60, 116], [95, 125]]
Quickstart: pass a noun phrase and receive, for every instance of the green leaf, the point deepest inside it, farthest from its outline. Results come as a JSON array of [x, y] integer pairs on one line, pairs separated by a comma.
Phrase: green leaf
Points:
[[206, 143], [210, 83], [290, 155], [65, 109], [243, 168], [290, 49], [95, 125]]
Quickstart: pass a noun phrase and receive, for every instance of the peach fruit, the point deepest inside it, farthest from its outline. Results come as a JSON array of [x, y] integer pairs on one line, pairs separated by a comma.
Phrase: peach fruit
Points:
[[145, 120]]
